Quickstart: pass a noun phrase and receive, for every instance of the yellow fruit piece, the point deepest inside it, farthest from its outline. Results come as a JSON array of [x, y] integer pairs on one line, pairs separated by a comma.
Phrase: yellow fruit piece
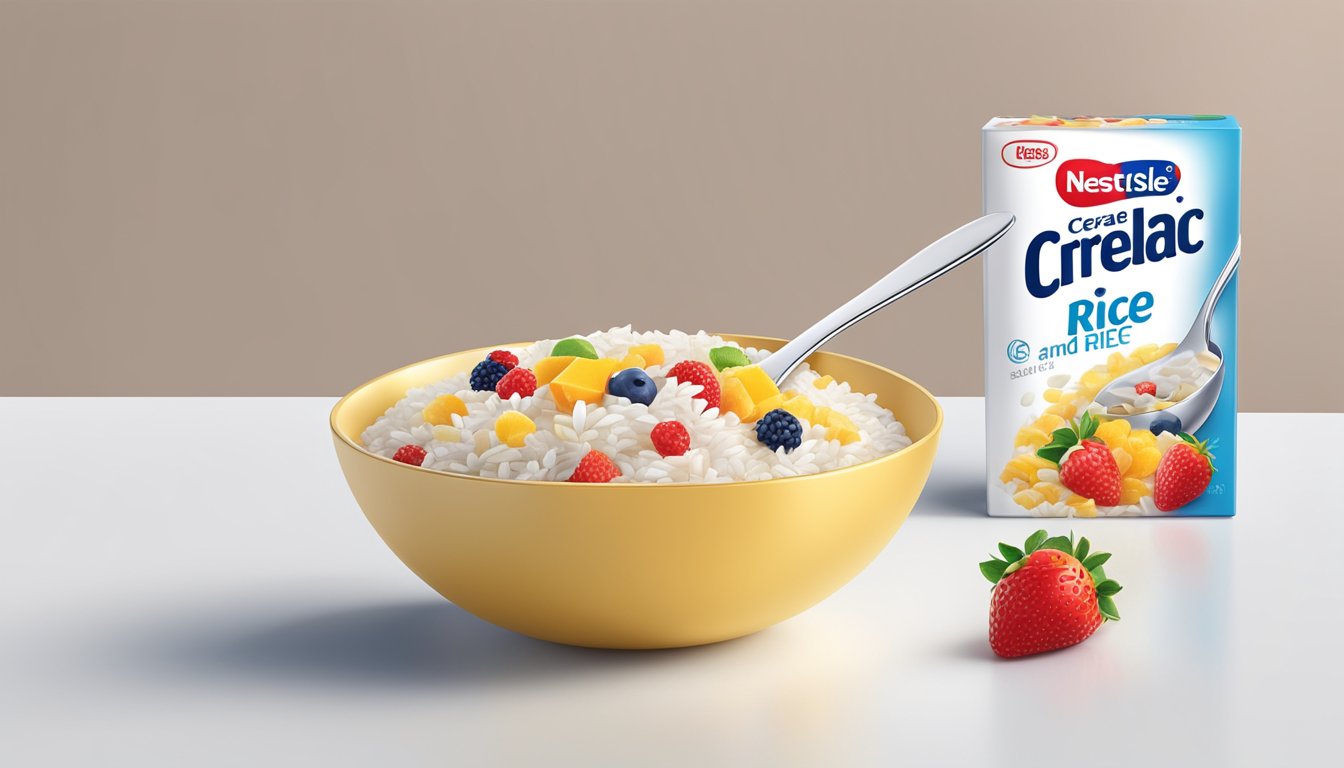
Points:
[[1083, 507], [1012, 472], [1145, 353], [1052, 395], [839, 427], [1094, 378], [1049, 491], [1024, 466], [733, 398], [1140, 439], [1028, 499], [1132, 489], [513, 428], [583, 379], [757, 382], [1115, 364], [1145, 462], [823, 382], [1115, 433], [1122, 459], [1065, 411], [440, 411], [652, 353], [633, 361], [446, 434], [1049, 422], [549, 367], [765, 406], [1032, 437], [801, 407]]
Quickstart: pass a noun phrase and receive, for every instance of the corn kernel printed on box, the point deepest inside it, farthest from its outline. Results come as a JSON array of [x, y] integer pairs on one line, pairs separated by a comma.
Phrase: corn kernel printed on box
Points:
[[1111, 315]]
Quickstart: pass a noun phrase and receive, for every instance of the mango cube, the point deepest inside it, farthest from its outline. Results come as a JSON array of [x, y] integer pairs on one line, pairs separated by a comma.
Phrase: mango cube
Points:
[[801, 407], [583, 379], [756, 381], [1145, 462], [733, 398], [513, 428], [549, 367], [652, 353], [839, 427], [633, 360], [1132, 489], [441, 409], [823, 382], [767, 405], [1115, 433]]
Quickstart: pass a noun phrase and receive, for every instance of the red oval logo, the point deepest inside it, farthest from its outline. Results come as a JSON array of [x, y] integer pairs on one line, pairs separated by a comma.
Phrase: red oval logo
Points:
[[1029, 153]]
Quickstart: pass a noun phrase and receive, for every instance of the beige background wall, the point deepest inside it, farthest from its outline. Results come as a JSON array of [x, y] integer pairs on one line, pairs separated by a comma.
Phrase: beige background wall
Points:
[[286, 197]]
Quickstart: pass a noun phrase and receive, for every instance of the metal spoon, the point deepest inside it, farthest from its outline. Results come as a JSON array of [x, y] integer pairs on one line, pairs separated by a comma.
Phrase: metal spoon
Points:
[[936, 260], [1194, 410]]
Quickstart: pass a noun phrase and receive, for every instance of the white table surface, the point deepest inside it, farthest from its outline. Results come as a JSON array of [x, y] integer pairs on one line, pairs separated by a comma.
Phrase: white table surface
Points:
[[189, 582]]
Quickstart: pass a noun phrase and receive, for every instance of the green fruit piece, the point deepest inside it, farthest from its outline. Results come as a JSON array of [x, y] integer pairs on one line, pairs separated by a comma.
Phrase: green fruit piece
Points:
[[728, 357], [574, 348]]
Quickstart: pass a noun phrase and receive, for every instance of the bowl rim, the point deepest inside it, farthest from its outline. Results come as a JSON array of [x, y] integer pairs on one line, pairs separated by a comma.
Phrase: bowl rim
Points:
[[932, 435]]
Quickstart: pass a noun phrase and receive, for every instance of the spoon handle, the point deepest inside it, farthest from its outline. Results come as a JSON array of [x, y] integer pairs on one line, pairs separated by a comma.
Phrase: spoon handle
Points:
[[936, 260], [1199, 331]]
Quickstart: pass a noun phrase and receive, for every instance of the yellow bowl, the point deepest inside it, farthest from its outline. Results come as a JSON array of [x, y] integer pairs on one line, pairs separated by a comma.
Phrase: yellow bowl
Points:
[[637, 565]]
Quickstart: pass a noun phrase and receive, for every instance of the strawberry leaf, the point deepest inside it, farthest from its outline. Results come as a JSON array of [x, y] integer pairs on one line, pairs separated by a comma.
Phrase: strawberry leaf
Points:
[[993, 570], [1060, 543], [1108, 588], [1082, 549], [1011, 553], [1034, 541], [1064, 435], [1095, 561], [1087, 426], [1107, 606]]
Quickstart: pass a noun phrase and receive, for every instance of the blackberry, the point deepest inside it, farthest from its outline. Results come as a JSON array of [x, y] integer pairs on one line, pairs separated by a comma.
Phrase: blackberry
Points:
[[487, 374], [780, 429]]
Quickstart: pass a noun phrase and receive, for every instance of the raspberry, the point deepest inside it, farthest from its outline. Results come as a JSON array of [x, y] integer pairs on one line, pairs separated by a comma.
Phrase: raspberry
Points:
[[780, 429], [1145, 388], [505, 357], [670, 438], [693, 372], [410, 454], [486, 375], [595, 467], [518, 381]]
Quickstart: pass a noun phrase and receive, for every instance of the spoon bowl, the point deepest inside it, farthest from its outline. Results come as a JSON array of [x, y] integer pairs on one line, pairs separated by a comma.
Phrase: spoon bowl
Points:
[[1194, 409]]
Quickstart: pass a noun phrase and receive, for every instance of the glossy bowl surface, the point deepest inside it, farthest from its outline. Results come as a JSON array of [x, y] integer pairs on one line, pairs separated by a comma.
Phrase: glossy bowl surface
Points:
[[637, 565]]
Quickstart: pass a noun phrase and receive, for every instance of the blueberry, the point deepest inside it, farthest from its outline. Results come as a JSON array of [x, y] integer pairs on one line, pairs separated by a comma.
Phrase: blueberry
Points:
[[780, 429], [487, 374], [1165, 422], [634, 385]]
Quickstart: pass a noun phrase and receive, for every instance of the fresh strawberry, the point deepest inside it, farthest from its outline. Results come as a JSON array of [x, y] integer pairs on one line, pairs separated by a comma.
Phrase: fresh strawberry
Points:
[[1145, 388], [518, 381], [595, 467], [695, 372], [1047, 596], [1086, 466], [504, 357], [410, 454], [1183, 474], [670, 438]]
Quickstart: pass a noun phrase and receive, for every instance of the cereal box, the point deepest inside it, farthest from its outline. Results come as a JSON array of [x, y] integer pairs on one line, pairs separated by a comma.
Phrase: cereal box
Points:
[[1111, 315]]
